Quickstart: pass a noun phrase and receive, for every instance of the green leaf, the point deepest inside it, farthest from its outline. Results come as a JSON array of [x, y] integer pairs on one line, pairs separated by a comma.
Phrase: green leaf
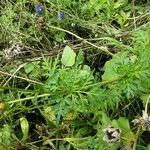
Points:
[[84, 74], [105, 119], [80, 57], [144, 98], [118, 4], [124, 124], [68, 56], [24, 127], [148, 147], [110, 73], [129, 137], [49, 142], [5, 134], [114, 123], [28, 68], [49, 115]]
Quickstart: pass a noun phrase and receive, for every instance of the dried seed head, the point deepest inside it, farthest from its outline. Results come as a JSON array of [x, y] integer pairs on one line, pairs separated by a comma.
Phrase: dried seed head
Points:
[[112, 134], [13, 51], [40, 23], [144, 121]]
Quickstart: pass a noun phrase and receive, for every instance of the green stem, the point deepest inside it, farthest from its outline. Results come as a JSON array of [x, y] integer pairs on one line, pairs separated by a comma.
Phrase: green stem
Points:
[[28, 98], [102, 82], [136, 137], [147, 101]]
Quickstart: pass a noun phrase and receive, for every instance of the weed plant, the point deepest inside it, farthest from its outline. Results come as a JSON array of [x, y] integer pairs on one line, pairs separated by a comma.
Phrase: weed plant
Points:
[[51, 94]]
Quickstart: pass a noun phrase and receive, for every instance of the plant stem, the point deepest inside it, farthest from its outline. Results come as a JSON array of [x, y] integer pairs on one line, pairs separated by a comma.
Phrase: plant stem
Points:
[[28, 98], [15, 76], [147, 101], [102, 48], [136, 137]]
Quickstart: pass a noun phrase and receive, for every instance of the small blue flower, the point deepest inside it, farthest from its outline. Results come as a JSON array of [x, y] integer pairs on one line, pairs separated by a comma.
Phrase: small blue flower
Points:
[[61, 15], [38, 9]]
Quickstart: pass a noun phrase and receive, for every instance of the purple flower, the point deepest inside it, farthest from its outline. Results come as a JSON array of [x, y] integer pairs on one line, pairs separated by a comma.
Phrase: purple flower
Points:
[[38, 9], [61, 15]]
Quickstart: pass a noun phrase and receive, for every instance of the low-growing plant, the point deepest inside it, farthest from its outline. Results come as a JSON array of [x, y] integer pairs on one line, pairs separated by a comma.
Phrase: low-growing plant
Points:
[[51, 94], [73, 101]]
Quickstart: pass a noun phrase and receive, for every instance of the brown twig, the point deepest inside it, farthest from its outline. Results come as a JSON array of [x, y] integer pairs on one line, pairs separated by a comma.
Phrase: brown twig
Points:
[[15, 76]]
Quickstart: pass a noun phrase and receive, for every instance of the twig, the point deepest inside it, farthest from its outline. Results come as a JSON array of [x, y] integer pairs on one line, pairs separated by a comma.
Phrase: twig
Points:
[[22, 65], [102, 48], [133, 10], [15, 76]]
